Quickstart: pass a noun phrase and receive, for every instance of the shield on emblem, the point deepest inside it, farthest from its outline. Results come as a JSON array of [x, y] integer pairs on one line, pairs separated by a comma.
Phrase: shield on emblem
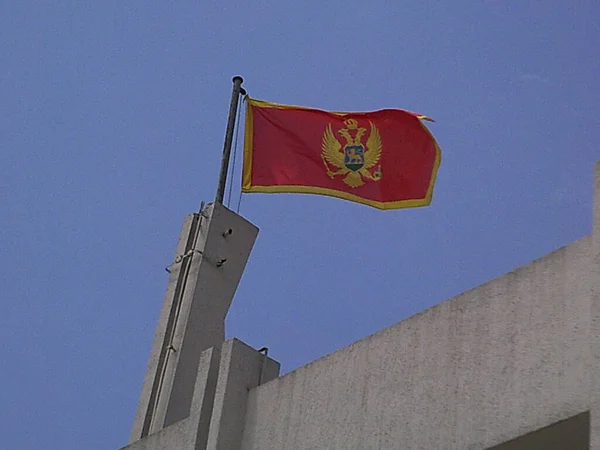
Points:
[[354, 157]]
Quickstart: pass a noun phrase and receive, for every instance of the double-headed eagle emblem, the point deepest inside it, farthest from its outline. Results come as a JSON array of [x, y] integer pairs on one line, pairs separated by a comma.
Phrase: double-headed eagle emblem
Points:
[[353, 160]]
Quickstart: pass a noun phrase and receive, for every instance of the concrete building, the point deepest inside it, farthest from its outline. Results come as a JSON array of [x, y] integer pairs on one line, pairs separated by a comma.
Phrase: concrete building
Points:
[[512, 364]]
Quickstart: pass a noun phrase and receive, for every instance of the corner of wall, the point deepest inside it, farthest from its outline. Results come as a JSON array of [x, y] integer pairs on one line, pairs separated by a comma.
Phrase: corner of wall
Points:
[[595, 319]]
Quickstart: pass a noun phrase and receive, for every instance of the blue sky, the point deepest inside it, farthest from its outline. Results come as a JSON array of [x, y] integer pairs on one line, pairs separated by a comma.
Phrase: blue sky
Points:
[[112, 116]]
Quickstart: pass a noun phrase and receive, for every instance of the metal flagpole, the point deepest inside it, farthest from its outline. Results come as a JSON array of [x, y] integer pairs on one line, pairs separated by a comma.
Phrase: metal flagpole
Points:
[[235, 96]]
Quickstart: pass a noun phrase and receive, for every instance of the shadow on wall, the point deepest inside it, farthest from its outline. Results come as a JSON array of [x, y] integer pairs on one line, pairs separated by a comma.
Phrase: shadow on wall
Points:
[[571, 434]]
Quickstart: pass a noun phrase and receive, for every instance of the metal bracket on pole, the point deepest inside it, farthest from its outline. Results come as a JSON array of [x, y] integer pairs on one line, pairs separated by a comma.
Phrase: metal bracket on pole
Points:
[[235, 96]]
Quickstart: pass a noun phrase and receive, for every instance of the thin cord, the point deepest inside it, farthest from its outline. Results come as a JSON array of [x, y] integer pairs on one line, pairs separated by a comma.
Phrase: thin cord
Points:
[[239, 203], [235, 145]]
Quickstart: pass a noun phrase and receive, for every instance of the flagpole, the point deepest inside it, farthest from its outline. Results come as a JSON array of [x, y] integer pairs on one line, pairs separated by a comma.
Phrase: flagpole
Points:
[[235, 96]]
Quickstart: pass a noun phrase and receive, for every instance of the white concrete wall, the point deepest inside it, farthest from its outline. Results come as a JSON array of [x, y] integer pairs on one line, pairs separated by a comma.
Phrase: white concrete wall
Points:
[[176, 436], [496, 363], [499, 361]]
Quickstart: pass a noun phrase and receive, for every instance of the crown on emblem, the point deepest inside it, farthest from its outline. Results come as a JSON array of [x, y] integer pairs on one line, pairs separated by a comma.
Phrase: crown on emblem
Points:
[[351, 124]]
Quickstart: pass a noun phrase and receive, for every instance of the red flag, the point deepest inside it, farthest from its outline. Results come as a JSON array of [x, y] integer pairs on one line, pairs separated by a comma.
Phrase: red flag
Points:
[[387, 159]]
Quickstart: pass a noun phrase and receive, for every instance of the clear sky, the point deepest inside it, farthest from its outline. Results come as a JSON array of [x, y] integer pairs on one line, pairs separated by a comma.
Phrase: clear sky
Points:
[[112, 116]]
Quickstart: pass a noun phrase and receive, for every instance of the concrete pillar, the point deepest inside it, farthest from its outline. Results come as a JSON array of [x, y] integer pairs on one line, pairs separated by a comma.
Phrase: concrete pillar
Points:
[[218, 406], [204, 397], [211, 255], [242, 368], [190, 433], [165, 320]]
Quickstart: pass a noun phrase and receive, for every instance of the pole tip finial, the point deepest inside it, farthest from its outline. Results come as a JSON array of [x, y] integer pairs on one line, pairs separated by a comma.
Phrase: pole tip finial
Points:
[[236, 78]]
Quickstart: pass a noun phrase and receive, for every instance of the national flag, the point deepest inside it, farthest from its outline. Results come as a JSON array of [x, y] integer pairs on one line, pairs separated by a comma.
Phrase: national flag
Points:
[[387, 159]]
